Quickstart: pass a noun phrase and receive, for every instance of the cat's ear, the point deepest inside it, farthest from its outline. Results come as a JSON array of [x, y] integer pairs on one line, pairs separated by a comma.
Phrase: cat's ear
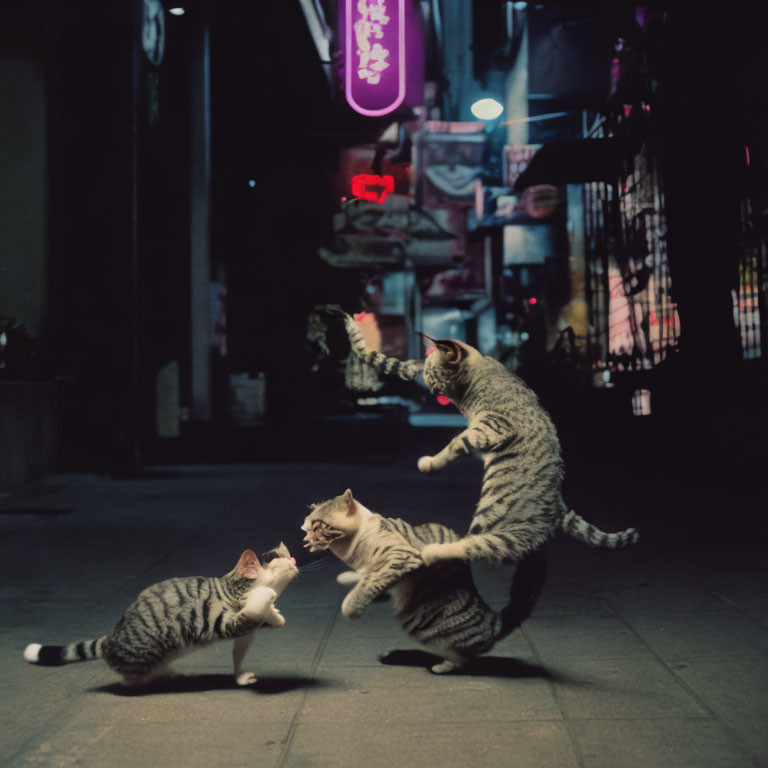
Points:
[[351, 504], [453, 352], [248, 566], [282, 550]]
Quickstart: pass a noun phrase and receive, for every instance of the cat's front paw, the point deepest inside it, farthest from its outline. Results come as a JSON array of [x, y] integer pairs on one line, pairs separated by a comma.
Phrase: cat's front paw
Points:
[[425, 465], [350, 608], [259, 602], [348, 578], [246, 678]]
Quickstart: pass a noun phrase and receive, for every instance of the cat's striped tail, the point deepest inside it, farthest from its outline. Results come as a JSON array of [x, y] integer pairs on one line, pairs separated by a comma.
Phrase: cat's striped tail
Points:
[[527, 583], [56, 655], [580, 529], [407, 370]]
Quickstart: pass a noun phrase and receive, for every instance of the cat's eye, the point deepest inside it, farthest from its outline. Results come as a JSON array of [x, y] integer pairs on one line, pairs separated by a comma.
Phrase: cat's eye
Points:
[[268, 556]]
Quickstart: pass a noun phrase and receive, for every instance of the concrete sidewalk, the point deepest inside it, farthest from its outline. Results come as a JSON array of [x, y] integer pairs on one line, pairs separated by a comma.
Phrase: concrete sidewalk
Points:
[[655, 656]]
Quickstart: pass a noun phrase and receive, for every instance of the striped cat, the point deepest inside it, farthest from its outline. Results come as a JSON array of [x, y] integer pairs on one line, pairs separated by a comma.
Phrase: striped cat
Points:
[[173, 617], [521, 504], [439, 605]]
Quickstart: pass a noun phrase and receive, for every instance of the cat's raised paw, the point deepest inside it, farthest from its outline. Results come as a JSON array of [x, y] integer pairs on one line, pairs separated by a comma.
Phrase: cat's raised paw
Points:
[[348, 578], [277, 619], [246, 678], [425, 465], [334, 310], [259, 602]]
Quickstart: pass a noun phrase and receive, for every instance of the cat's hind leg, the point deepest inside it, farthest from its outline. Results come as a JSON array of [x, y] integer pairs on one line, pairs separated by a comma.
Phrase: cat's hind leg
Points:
[[452, 660], [239, 649]]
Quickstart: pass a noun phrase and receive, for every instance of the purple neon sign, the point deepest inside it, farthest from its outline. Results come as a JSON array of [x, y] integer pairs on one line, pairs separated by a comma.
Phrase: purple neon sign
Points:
[[374, 59]]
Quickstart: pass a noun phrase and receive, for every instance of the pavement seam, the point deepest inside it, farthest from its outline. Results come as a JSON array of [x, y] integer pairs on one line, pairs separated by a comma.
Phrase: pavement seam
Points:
[[740, 609], [737, 740], [569, 727], [312, 672]]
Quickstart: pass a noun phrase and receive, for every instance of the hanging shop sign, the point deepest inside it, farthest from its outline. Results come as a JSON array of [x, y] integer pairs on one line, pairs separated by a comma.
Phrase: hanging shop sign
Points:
[[374, 58], [515, 160], [450, 162]]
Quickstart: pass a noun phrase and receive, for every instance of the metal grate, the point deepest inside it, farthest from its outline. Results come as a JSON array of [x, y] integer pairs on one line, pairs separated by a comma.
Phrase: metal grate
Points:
[[634, 323], [749, 304]]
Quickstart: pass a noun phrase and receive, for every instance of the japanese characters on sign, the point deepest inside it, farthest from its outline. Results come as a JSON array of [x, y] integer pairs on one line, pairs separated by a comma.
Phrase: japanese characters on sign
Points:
[[374, 55]]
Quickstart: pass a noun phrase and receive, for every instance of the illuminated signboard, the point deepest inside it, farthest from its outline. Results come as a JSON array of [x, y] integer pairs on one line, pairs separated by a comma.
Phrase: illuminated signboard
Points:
[[362, 182], [374, 61]]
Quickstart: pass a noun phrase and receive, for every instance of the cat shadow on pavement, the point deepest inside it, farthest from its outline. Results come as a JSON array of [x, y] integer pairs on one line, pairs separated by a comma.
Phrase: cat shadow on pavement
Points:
[[199, 683], [481, 666]]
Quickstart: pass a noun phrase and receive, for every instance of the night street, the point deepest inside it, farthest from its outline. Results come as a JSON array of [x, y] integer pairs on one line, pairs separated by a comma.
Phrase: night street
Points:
[[656, 655], [253, 254]]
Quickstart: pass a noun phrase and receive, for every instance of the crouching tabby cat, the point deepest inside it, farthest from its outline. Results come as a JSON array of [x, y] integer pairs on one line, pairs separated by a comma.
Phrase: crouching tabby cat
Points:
[[438, 605], [520, 504], [177, 616]]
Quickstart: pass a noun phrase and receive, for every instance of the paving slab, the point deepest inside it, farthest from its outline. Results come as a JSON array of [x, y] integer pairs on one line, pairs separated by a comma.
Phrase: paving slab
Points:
[[661, 743], [589, 636], [736, 690], [524, 745], [621, 688], [127, 745], [651, 593], [675, 636]]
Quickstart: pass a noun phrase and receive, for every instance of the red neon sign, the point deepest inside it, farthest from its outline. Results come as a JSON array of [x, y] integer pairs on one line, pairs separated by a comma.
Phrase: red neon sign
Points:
[[362, 182]]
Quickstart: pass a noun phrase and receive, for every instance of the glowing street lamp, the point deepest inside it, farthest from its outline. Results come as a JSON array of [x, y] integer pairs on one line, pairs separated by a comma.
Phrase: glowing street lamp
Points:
[[486, 109]]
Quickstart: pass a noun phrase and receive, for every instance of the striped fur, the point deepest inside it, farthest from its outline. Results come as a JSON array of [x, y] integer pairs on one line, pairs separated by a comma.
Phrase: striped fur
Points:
[[173, 617], [580, 529], [438, 605], [520, 504]]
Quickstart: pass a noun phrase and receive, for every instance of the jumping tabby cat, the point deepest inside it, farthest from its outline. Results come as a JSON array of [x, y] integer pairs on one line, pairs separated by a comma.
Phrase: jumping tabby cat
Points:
[[521, 504], [173, 617], [438, 605]]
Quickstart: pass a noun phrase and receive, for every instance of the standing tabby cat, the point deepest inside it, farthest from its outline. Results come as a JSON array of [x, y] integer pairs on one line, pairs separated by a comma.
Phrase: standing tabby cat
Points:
[[439, 605], [520, 504], [176, 616]]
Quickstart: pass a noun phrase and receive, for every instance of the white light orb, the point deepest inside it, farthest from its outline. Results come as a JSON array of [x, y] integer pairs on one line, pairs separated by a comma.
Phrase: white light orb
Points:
[[176, 11], [486, 109]]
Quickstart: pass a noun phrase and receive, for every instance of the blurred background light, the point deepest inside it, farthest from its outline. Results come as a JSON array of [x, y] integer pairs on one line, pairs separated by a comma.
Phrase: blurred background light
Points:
[[486, 109], [176, 11]]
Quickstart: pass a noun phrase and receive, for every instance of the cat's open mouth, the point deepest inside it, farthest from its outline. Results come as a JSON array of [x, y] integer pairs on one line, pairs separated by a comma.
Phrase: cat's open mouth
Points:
[[321, 536], [314, 545]]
